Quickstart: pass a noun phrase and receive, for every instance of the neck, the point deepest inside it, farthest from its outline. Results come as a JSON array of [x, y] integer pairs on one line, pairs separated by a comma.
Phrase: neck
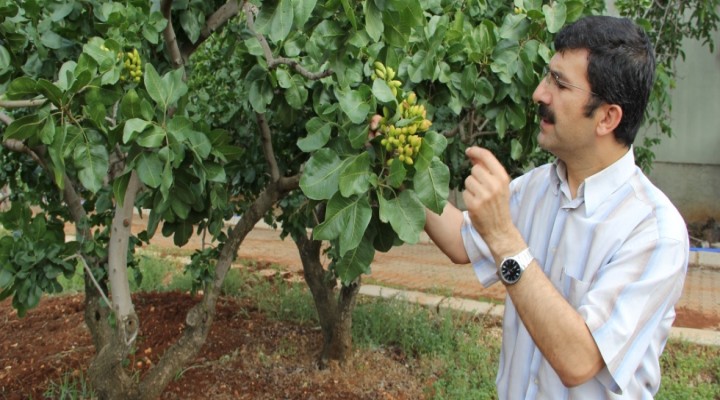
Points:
[[581, 168]]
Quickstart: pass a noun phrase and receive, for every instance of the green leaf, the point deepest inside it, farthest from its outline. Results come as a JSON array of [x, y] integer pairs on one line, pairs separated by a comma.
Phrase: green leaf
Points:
[[356, 104], [151, 138], [179, 207], [302, 10], [349, 13], [421, 67], [6, 278], [405, 213], [397, 28], [318, 135], [22, 88], [130, 106], [149, 169], [24, 127], [120, 185], [295, 92], [346, 218], [281, 21], [92, 162], [215, 172], [373, 21], [397, 175], [199, 144], [433, 145], [355, 176], [555, 16], [5, 60], [183, 232], [167, 90], [321, 176], [514, 27], [432, 185], [355, 262], [47, 134], [50, 91], [191, 25], [516, 149], [260, 92], [382, 92], [385, 237], [358, 135], [81, 81], [133, 127]]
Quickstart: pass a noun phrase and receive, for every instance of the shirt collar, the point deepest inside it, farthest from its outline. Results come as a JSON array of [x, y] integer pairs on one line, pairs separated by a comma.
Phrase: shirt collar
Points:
[[597, 188]]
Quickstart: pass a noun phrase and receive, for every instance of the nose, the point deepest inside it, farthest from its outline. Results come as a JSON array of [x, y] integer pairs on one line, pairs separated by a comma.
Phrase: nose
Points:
[[541, 93]]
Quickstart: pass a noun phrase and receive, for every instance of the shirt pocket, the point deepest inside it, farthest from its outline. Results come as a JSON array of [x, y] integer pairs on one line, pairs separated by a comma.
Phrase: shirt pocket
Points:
[[574, 289]]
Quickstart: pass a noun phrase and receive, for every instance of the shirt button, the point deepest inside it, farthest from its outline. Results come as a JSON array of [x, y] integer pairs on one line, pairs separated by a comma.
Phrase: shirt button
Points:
[[537, 381]]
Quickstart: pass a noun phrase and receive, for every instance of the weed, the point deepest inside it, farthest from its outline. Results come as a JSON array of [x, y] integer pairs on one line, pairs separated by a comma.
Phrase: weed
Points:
[[71, 386]]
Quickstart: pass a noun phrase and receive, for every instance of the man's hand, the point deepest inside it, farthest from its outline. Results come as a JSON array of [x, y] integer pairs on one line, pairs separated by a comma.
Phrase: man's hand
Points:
[[374, 125], [487, 198]]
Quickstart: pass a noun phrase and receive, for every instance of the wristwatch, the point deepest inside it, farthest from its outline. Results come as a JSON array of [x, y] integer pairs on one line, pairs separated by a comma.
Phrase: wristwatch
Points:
[[511, 268]]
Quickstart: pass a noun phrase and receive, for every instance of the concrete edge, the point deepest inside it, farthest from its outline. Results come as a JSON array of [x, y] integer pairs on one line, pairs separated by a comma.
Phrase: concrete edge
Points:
[[477, 308]]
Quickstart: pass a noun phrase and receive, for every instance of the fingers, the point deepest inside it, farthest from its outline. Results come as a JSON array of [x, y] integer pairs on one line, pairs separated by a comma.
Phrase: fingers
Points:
[[479, 156], [374, 125]]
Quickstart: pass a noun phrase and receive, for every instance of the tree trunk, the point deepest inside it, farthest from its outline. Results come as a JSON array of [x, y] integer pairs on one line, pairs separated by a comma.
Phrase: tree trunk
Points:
[[335, 313], [199, 319]]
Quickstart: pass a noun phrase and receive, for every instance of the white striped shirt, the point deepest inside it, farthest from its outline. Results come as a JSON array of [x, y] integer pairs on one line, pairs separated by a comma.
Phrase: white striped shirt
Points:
[[618, 253]]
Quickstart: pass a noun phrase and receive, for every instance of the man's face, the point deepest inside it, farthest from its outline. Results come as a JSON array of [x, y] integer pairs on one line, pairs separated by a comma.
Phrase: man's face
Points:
[[561, 97]]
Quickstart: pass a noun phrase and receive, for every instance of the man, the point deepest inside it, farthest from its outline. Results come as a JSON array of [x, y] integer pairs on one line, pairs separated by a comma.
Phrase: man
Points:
[[593, 255]]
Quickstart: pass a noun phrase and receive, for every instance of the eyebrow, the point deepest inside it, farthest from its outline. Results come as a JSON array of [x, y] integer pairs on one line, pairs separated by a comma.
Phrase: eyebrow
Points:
[[556, 73]]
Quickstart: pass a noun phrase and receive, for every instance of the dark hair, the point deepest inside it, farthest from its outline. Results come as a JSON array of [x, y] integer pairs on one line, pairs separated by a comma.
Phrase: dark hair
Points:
[[621, 67]]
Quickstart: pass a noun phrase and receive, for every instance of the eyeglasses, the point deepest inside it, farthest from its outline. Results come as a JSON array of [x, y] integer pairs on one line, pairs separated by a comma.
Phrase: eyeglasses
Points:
[[552, 78]]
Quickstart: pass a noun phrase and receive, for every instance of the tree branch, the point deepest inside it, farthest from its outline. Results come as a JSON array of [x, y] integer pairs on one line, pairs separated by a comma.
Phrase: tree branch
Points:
[[120, 231], [6, 119], [20, 147], [219, 18], [273, 62], [268, 147], [169, 35], [22, 103]]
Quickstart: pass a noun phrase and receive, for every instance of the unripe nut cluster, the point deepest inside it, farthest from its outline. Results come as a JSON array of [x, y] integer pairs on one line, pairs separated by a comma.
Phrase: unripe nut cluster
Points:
[[401, 142], [132, 66]]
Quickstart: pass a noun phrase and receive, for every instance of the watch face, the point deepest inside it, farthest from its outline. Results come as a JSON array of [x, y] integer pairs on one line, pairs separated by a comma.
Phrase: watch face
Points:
[[510, 270]]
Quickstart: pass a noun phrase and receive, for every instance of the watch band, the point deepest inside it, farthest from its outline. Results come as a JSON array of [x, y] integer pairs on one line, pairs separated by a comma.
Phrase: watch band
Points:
[[524, 258]]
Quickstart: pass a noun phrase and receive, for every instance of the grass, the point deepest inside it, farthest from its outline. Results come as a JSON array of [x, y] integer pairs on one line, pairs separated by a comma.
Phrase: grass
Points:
[[454, 351], [70, 387]]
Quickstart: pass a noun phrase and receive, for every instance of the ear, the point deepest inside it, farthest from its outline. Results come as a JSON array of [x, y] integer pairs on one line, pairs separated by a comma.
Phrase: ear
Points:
[[609, 119]]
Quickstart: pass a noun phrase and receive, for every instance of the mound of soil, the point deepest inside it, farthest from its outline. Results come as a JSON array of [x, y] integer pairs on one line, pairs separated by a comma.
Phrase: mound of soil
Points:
[[246, 355]]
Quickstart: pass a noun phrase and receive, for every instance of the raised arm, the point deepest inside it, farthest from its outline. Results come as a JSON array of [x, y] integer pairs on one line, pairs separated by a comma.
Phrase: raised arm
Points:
[[444, 230]]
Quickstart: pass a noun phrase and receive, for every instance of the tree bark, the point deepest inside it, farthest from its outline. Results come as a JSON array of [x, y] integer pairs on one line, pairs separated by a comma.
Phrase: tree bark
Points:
[[107, 374], [334, 312], [200, 318]]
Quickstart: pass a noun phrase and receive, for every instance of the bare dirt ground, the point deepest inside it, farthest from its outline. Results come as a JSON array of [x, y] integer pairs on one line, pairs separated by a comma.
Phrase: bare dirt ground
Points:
[[246, 355]]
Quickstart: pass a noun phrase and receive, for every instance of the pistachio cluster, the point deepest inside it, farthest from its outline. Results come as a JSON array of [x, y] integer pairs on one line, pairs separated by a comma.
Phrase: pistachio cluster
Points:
[[402, 139], [133, 69]]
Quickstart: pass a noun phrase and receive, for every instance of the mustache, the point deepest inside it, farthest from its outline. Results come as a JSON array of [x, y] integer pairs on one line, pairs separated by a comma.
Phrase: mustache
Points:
[[546, 113]]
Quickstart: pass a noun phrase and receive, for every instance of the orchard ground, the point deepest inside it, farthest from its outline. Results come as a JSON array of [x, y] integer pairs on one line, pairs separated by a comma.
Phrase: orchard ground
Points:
[[247, 355]]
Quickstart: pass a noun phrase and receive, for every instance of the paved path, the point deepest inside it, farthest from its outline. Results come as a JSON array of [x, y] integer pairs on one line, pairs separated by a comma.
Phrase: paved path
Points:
[[422, 267]]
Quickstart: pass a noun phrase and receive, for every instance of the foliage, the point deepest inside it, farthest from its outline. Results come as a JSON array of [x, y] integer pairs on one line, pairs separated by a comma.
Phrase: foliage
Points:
[[471, 65]]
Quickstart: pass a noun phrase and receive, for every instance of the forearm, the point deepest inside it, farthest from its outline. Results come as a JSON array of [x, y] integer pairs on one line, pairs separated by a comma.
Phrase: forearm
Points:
[[445, 232], [556, 327]]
